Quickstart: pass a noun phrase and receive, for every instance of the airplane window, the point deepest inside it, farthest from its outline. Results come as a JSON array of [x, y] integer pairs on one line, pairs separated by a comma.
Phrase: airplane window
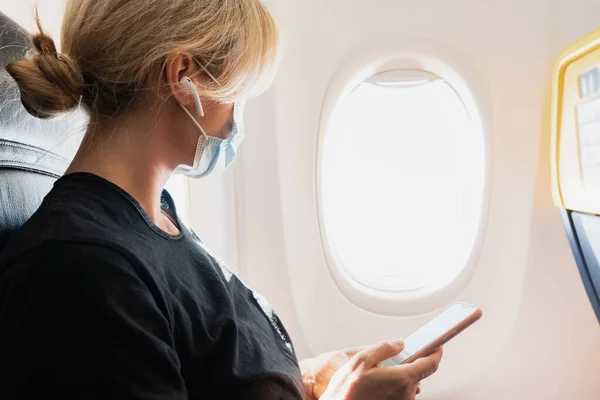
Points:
[[402, 182], [177, 187]]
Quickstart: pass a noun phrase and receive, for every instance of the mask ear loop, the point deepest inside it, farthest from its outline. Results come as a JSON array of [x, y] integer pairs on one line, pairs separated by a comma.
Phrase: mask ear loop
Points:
[[202, 141]]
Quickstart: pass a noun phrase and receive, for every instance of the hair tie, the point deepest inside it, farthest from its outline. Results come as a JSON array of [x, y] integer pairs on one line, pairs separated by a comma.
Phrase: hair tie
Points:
[[45, 45]]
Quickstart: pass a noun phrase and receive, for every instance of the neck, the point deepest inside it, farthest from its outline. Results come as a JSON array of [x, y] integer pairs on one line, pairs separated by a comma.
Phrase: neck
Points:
[[128, 153]]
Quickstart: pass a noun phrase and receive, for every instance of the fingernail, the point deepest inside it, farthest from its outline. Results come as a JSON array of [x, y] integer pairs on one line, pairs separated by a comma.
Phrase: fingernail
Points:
[[399, 344]]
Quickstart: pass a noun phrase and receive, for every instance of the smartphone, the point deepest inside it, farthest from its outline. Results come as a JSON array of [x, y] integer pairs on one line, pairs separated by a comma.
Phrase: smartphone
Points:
[[436, 333]]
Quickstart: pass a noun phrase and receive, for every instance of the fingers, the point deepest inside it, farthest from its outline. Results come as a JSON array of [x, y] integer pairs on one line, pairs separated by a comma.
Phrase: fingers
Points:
[[425, 367], [351, 352], [370, 357]]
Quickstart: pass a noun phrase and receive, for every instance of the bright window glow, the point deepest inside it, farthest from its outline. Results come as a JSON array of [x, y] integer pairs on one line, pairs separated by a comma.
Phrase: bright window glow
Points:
[[177, 188], [402, 185]]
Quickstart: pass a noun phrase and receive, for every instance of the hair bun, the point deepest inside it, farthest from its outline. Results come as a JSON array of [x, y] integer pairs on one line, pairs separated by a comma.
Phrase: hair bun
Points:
[[50, 83]]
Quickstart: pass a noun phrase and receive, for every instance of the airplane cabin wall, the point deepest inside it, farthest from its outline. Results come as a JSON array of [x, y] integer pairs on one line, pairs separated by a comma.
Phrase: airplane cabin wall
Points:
[[539, 338]]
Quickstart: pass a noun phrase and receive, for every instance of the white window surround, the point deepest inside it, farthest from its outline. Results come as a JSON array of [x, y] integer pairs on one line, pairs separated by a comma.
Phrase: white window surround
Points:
[[406, 52]]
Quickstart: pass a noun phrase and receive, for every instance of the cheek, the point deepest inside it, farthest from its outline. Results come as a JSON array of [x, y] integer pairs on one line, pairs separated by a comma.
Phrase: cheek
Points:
[[181, 135]]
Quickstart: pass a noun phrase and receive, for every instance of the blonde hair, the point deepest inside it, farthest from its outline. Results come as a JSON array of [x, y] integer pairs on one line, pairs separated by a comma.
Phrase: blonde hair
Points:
[[112, 50]]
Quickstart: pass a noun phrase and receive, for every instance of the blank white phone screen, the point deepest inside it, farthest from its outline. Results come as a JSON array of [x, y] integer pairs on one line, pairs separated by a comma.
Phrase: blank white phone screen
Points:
[[431, 331]]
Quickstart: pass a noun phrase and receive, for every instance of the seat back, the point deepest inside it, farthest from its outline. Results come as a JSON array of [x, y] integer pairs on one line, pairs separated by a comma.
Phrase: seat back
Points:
[[576, 156]]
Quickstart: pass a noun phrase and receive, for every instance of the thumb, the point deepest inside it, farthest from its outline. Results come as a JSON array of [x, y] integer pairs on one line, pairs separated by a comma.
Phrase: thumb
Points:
[[371, 356]]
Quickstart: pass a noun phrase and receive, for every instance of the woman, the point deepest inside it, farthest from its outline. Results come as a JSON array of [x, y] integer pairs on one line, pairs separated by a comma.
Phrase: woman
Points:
[[104, 293]]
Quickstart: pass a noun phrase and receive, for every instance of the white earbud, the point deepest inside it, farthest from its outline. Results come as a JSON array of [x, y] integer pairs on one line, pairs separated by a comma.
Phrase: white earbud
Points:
[[188, 84]]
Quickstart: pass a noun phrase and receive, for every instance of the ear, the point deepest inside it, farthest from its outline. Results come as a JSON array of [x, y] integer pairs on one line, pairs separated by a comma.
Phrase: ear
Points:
[[177, 66]]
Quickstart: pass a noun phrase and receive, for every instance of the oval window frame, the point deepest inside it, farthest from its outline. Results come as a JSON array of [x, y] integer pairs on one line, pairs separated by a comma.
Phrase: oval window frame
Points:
[[434, 56]]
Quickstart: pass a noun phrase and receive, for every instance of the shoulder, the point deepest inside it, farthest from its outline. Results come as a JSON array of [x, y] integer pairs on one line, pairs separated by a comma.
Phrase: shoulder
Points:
[[66, 268], [72, 257], [78, 209], [78, 282], [59, 233]]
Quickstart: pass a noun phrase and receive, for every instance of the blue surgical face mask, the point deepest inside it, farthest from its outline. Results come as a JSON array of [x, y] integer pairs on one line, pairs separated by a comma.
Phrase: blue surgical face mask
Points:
[[214, 154]]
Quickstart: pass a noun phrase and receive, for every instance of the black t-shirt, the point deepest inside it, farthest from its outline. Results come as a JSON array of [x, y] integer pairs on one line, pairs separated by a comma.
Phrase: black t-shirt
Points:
[[97, 302]]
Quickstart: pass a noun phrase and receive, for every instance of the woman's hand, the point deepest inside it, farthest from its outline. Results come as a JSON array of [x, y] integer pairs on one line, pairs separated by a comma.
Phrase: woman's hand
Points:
[[353, 374], [317, 372]]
